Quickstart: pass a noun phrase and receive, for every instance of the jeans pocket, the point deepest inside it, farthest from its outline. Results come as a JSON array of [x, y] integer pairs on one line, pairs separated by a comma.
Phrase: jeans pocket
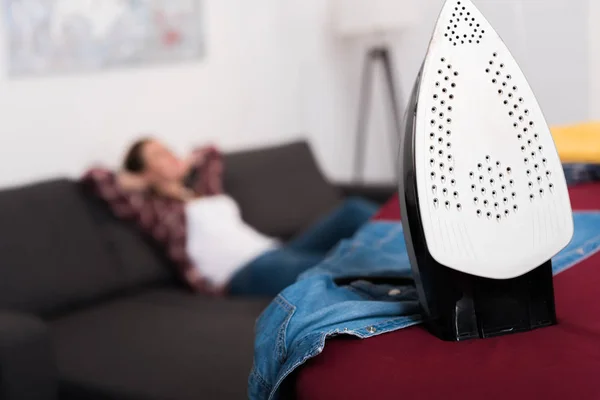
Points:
[[270, 348], [384, 292]]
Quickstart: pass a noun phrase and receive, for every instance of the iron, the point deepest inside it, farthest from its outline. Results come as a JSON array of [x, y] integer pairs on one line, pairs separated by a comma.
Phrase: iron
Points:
[[483, 196]]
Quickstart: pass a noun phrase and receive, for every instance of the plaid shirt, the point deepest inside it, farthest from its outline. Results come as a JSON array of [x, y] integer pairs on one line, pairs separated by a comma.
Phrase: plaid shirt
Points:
[[163, 219]]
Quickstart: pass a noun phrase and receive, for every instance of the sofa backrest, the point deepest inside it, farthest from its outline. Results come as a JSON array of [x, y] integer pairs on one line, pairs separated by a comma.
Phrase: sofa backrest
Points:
[[137, 259], [60, 246], [280, 189], [50, 253]]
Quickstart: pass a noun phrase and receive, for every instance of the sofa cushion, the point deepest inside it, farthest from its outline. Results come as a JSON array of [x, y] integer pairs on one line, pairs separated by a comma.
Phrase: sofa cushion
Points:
[[50, 253], [280, 189], [139, 260], [161, 344]]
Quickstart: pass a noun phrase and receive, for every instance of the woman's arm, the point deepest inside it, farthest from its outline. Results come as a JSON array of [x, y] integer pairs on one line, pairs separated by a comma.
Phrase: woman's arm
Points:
[[206, 171], [107, 186], [131, 182]]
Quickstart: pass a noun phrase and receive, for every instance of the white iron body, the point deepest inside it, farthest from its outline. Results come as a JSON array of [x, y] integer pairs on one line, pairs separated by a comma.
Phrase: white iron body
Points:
[[492, 194]]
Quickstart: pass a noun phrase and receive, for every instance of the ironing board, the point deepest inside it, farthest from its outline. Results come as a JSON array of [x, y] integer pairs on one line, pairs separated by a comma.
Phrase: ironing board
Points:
[[559, 362]]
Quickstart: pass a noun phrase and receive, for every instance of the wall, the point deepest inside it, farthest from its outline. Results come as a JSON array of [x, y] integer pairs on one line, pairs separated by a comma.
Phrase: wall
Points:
[[240, 95], [274, 72], [594, 58]]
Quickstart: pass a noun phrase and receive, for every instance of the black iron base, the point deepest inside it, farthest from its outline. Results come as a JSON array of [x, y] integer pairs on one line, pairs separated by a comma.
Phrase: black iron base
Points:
[[463, 306], [460, 306]]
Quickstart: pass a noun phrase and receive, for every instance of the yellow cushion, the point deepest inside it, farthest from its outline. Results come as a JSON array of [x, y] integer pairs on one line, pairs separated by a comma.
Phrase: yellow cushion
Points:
[[579, 143]]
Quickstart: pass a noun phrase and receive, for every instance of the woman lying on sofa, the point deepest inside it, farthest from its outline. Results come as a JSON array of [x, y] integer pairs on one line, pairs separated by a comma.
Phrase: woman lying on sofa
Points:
[[181, 204]]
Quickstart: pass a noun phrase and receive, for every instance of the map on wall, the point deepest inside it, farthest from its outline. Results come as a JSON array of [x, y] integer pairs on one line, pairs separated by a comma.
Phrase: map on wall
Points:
[[63, 36]]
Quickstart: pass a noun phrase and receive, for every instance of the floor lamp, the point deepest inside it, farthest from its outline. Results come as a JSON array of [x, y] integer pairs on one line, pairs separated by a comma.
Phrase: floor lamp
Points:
[[376, 22]]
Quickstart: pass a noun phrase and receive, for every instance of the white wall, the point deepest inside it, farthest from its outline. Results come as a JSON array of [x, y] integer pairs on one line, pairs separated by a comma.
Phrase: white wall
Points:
[[273, 72], [594, 58], [240, 95]]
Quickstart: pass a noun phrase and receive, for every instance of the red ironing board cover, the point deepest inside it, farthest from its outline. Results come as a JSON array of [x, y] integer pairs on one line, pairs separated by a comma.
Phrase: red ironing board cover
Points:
[[559, 362]]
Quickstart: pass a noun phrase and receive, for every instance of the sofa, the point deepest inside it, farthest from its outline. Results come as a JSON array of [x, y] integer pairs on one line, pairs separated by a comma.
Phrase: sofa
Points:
[[90, 309]]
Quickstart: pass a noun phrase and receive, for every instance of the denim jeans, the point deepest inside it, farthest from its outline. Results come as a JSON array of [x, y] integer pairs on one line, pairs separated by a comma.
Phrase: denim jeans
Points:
[[275, 270]]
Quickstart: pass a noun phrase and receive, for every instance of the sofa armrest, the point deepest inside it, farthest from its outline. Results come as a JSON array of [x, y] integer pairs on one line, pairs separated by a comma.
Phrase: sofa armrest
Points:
[[378, 193], [27, 367]]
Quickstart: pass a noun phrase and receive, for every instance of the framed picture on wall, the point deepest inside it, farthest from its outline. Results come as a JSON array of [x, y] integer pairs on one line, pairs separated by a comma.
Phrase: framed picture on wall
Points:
[[64, 36]]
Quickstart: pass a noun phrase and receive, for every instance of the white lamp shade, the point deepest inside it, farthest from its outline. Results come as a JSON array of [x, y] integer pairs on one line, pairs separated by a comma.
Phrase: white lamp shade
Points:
[[373, 17]]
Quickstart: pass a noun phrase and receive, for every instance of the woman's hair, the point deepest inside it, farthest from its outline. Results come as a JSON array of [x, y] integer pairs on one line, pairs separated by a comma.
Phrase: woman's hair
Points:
[[134, 159]]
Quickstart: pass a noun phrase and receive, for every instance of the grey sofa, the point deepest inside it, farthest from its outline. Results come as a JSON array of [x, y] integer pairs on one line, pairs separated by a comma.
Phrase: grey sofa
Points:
[[89, 309]]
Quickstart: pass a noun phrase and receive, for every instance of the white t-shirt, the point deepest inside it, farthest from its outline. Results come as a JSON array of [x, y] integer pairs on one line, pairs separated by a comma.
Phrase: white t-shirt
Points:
[[219, 242]]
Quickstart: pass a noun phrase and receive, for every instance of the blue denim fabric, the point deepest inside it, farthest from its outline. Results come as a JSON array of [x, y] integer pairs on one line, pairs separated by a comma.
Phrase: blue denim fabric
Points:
[[273, 271], [585, 243], [293, 328]]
